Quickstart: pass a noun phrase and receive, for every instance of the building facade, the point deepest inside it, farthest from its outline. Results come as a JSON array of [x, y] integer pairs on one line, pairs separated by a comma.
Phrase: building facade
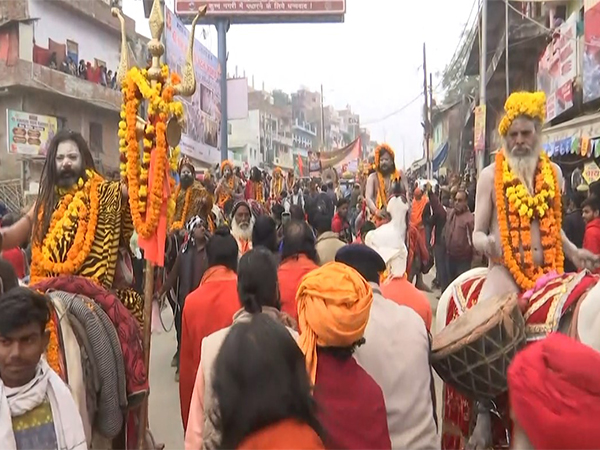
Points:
[[41, 46]]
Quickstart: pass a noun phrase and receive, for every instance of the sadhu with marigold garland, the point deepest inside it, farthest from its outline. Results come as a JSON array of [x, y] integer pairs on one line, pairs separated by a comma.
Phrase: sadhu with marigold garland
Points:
[[518, 209], [80, 222], [191, 198], [380, 183], [518, 215], [229, 187]]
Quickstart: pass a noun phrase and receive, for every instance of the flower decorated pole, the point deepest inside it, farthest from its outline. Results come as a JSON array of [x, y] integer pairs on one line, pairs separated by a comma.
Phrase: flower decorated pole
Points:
[[149, 151]]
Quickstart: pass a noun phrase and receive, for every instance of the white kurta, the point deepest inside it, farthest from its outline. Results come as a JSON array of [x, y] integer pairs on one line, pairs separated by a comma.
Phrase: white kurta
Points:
[[396, 355]]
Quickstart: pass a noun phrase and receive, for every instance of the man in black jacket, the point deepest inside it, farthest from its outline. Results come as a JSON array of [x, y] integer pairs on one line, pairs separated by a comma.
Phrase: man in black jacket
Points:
[[574, 225]]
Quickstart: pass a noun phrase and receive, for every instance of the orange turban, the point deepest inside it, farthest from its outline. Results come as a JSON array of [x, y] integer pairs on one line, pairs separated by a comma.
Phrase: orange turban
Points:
[[554, 391], [334, 303]]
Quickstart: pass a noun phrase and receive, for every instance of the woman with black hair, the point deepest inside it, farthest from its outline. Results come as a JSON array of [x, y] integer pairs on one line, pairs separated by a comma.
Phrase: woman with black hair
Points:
[[262, 390], [207, 309], [258, 291]]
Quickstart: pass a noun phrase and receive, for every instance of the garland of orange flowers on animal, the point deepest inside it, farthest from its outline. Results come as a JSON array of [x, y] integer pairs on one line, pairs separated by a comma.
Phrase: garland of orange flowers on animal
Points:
[[77, 211], [178, 225], [516, 210], [277, 182], [160, 106]]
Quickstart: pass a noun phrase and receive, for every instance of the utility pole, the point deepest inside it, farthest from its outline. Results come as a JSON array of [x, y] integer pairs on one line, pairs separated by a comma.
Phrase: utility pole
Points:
[[506, 66], [322, 121], [483, 80], [430, 174], [222, 27], [427, 123]]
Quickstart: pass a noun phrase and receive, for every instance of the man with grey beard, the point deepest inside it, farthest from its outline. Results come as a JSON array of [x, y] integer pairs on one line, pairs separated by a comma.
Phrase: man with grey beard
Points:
[[522, 150], [530, 205], [242, 223]]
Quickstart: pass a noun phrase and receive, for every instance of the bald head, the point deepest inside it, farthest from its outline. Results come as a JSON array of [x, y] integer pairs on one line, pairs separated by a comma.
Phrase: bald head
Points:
[[298, 239]]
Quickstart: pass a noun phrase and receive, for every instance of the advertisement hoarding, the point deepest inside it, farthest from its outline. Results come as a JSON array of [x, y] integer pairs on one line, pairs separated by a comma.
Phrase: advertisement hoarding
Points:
[[201, 137], [591, 52], [266, 11], [557, 68], [29, 134]]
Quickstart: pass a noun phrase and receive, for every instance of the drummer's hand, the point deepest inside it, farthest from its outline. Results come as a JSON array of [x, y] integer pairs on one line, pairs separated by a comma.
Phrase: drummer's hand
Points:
[[584, 259], [482, 434]]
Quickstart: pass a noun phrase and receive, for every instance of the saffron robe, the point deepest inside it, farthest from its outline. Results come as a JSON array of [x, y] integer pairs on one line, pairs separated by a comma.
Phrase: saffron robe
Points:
[[207, 309], [290, 273]]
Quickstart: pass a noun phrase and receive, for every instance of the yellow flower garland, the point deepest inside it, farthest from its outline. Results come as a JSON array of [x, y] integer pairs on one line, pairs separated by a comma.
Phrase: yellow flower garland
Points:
[[160, 106], [516, 210], [78, 212]]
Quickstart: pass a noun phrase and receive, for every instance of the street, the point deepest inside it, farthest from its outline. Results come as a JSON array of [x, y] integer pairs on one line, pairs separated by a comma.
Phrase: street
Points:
[[165, 416]]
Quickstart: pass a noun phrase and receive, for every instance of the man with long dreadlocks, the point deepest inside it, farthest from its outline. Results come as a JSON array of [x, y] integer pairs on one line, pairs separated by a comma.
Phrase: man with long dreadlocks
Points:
[[192, 199], [229, 187], [255, 188], [277, 185], [381, 182], [81, 224]]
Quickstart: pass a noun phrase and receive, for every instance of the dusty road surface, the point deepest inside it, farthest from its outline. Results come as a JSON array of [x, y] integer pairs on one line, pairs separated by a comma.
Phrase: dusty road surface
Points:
[[165, 415]]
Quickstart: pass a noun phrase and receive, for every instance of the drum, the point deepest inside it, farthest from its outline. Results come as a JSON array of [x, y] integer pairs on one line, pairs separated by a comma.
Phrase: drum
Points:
[[473, 352]]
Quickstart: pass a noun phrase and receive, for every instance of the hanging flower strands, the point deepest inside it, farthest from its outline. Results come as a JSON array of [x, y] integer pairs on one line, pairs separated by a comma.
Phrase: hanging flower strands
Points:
[[517, 208], [157, 86], [76, 215]]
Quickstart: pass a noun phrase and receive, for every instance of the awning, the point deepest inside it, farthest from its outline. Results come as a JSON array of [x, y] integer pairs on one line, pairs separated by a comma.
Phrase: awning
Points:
[[440, 156], [571, 136]]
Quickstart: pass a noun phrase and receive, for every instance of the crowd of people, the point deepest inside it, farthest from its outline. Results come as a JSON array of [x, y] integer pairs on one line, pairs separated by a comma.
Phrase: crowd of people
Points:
[[84, 70], [298, 323]]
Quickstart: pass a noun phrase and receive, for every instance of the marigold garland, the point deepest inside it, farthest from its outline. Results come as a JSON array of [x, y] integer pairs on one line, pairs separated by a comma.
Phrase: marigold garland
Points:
[[516, 211], [53, 348], [178, 224], [160, 105], [77, 212], [258, 191]]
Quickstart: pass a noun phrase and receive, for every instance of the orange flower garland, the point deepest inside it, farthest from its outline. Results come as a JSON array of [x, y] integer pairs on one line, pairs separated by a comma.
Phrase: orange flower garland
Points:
[[53, 349], [258, 191], [178, 225], [79, 209], [515, 221]]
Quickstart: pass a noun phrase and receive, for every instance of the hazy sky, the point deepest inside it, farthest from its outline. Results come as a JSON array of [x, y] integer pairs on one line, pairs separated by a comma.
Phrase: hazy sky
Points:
[[372, 61]]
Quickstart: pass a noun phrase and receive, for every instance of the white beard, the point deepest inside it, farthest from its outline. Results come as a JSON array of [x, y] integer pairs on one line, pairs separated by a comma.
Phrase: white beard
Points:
[[241, 233], [524, 167]]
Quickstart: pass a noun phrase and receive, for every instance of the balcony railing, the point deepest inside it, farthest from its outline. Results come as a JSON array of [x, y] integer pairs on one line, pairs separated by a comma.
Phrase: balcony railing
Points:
[[305, 126]]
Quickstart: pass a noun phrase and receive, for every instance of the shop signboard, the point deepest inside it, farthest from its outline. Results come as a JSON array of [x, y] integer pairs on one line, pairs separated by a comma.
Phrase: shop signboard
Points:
[[265, 11], [29, 134], [591, 52], [558, 67], [201, 137], [479, 129], [591, 172]]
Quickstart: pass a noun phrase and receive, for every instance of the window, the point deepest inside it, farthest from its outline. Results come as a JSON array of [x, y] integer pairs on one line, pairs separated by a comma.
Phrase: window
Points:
[[96, 138], [73, 51]]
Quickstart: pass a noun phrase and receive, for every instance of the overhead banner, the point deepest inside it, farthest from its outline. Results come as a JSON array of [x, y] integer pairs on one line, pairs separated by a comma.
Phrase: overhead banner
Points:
[[479, 128], [29, 134], [557, 68], [266, 11], [201, 138], [591, 52]]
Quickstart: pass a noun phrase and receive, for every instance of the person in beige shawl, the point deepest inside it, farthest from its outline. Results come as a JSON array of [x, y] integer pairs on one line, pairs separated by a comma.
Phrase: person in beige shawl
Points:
[[259, 294]]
